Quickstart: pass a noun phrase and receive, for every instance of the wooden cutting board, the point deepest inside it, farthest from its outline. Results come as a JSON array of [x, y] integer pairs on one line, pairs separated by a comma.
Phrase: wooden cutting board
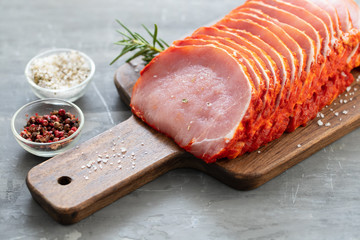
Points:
[[75, 184]]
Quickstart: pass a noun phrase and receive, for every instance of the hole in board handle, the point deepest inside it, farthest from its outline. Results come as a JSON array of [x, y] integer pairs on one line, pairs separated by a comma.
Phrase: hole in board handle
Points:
[[64, 180]]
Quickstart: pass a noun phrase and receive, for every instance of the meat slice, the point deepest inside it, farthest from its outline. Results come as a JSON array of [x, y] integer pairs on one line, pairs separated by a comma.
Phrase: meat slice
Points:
[[200, 101], [307, 16], [293, 46], [288, 18], [270, 70], [271, 39], [304, 41], [323, 13]]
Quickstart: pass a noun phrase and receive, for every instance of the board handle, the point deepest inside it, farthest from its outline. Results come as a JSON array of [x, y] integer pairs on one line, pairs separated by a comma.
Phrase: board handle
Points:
[[75, 184]]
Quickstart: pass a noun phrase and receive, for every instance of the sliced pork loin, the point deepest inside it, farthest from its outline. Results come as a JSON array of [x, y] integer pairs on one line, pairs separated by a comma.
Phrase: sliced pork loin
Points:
[[268, 67], [197, 95]]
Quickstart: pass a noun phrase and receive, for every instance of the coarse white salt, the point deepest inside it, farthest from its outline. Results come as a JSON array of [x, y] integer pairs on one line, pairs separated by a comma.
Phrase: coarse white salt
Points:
[[123, 150], [320, 123], [83, 166], [354, 106], [104, 161], [327, 124], [336, 114], [341, 101], [142, 144], [345, 112], [345, 101], [343, 74], [331, 109], [299, 145], [322, 115], [86, 177], [259, 151], [348, 89]]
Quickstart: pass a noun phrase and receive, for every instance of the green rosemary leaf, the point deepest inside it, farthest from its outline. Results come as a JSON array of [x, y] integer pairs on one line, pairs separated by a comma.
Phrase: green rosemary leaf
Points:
[[155, 35], [133, 41]]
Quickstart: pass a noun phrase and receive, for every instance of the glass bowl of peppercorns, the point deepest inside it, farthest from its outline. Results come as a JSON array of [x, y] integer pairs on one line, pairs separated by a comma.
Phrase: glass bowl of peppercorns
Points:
[[47, 127]]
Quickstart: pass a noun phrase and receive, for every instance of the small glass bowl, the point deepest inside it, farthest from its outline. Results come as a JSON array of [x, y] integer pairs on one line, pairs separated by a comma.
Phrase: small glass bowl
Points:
[[69, 94], [42, 107]]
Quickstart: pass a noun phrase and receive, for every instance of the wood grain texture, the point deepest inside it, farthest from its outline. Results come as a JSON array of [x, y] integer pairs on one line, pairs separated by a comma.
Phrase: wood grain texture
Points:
[[75, 184]]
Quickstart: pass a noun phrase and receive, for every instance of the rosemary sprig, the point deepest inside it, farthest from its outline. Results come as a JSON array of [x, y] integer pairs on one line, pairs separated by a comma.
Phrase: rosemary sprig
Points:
[[133, 41]]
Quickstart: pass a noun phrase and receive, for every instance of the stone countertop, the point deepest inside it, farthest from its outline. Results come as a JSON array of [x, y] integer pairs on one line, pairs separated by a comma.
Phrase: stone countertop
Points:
[[316, 199]]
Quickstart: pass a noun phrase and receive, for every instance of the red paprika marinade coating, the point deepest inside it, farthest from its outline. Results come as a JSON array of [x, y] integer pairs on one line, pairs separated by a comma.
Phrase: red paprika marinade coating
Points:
[[267, 67]]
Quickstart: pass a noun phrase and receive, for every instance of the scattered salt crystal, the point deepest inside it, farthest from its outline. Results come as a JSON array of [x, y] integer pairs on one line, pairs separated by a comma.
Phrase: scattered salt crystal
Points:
[[123, 150], [100, 166], [345, 101], [105, 161], [331, 109], [351, 99], [86, 177], [343, 74], [99, 156], [114, 143], [336, 114], [299, 145], [95, 168], [327, 124], [132, 166], [259, 151], [326, 106], [318, 114], [341, 101], [142, 144], [83, 166], [119, 161], [155, 76], [322, 115], [132, 154], [334, 103], [99, 160], [145, 152], [107, 156], [77, 147], [113, 149], [111, 163], [114, 155], [320, 123], [345, 112], [355, 89], [340, 119], [354, 106], [90, 172], [348, 89]]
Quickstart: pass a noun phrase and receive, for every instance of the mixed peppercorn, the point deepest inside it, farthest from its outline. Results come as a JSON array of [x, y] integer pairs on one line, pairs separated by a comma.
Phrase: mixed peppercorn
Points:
[[54, 127]]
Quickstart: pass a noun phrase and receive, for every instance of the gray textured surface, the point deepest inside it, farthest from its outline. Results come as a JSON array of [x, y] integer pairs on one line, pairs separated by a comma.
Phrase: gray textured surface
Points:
[[317, 199]]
